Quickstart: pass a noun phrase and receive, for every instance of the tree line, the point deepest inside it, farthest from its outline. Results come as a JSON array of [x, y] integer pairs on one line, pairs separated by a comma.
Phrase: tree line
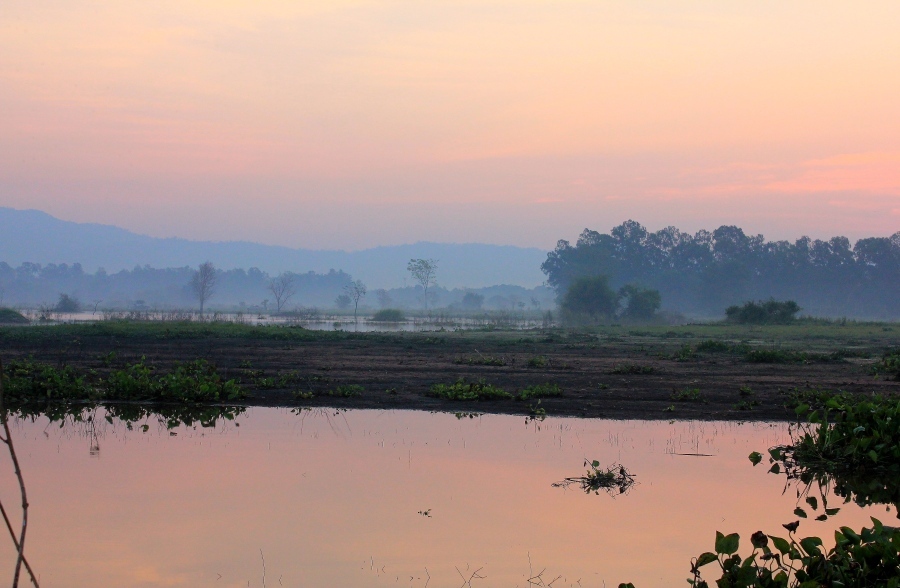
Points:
[[705, 273]]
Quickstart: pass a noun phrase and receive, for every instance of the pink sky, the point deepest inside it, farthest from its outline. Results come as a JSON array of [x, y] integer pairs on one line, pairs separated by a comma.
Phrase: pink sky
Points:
[[350, 124]]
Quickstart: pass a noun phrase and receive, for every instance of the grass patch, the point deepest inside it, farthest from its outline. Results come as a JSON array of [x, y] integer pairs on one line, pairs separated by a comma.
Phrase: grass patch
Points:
[[540, 391], [463, 390], [889, 366]]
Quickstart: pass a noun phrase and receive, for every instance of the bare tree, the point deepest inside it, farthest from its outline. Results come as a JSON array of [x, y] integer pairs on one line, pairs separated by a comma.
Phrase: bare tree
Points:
[[282, 288], [355, 291], [424, 271], [204, 283]]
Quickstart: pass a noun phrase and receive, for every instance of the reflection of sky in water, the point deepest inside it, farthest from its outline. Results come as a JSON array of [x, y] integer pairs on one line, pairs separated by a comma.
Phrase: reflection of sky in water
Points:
[[333, 499]]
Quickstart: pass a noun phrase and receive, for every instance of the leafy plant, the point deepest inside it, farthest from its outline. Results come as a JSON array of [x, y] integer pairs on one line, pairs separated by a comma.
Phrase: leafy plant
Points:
[[889, 366], [463, 390], [867, 558]]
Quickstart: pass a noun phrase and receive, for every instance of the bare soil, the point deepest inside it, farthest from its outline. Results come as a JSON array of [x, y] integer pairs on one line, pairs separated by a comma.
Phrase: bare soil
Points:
[[398, 371]]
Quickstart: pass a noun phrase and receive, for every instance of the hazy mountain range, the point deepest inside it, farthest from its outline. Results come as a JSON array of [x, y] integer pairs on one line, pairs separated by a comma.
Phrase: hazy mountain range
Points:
[[35, 236]]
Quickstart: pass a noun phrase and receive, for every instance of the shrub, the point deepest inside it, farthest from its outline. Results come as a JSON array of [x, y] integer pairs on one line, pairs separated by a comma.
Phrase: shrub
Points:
[[388, 315], [67, 303], [26, 381], [463, 390], [347, 391], [770, 312], [538, 361], [9, 316]]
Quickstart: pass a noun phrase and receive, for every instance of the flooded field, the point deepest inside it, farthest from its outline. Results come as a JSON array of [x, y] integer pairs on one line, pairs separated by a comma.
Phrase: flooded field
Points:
[[392, 498]]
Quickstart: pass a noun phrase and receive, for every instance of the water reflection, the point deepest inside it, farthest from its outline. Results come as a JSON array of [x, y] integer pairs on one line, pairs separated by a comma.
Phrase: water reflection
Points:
[[335, 498]]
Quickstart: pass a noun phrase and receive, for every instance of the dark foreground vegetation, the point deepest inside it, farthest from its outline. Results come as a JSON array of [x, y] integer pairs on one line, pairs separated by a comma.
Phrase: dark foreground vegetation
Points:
[[722, 371]]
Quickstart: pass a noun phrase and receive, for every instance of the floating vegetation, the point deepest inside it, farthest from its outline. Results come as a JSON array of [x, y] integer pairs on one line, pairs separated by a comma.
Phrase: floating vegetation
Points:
[[613, 480], [347, 391]]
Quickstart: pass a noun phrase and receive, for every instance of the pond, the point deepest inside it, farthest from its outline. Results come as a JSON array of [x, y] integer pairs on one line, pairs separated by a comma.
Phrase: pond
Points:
[[390, 498]]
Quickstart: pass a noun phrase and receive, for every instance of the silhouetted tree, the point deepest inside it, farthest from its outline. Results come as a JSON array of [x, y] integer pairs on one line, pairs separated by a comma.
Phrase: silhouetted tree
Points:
[[355, 291], [424, 271], [282, 288], [203, 283]]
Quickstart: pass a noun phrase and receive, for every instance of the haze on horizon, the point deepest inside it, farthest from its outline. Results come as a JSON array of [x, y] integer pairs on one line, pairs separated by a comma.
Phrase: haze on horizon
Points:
[[350, 124]]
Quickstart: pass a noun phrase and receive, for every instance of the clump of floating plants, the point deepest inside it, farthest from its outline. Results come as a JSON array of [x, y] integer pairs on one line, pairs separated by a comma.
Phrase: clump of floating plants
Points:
[[614, 479]]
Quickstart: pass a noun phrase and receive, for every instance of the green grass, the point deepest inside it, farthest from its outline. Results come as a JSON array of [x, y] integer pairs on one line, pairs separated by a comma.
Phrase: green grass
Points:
[[463, 390], [632, 369], [547, 390]]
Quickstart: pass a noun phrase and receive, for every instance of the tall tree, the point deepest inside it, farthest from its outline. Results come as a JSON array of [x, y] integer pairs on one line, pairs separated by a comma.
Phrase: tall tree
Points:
[[203, 283], [424, 271], [355, 290]]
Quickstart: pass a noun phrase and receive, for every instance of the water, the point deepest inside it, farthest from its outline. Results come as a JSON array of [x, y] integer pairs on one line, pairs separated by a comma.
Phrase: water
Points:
[[389, 498]]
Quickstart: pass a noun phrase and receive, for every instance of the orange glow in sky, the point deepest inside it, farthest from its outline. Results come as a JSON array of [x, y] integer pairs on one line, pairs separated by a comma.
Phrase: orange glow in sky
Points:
[[349, 124]]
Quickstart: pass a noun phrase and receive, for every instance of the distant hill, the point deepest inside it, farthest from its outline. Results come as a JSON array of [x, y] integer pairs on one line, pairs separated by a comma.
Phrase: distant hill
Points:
[[35, 236]]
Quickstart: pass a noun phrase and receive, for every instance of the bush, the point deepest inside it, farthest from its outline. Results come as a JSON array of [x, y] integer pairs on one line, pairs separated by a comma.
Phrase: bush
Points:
[[388, 315], [9, 316], [67, 303], [771, 312]]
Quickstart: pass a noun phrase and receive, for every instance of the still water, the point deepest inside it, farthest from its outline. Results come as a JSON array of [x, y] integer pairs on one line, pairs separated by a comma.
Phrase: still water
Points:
[[390, 498]]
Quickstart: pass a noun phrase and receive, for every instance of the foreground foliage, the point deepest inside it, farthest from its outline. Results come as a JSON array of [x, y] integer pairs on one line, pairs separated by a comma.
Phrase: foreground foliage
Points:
[[867, 558], [28, 383]]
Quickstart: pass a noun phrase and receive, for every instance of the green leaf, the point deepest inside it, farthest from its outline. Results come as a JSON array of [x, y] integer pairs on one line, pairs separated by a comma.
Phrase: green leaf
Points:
[[595, 464], [811, 545], [873, 456], [811, 500], [775, 469], [780, 544], [832, 511], [802, 409], [800, 512], [727, 545], [755, 457], [706, 558], [822, 517]]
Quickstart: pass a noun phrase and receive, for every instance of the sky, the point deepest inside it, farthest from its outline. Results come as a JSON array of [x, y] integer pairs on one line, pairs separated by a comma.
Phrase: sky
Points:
[[345, 124]]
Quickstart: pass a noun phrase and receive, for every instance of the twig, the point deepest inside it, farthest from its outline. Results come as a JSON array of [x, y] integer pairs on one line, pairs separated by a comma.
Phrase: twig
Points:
[[263, 558], [12, 535]]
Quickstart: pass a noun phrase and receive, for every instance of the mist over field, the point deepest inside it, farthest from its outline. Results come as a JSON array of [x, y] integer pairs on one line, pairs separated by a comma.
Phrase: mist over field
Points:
[[697, 275]]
